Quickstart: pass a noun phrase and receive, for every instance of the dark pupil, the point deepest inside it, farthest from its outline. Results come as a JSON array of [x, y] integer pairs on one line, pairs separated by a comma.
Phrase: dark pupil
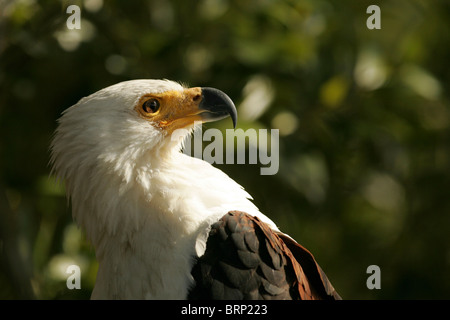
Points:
[[151, 105]]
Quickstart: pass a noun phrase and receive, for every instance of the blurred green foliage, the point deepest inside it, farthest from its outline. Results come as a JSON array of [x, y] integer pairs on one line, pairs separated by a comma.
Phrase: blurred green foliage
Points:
[[363, 116]]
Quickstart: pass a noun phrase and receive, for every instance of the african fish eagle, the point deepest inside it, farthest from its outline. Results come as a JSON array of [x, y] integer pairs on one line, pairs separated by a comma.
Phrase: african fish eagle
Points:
[[165, 225]]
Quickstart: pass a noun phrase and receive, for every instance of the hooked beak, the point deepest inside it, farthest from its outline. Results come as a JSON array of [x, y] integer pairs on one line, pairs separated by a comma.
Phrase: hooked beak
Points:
[[216, 105]]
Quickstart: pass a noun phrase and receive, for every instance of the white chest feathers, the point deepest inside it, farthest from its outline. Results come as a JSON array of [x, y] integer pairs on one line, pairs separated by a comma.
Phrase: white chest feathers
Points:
[[152, 257]]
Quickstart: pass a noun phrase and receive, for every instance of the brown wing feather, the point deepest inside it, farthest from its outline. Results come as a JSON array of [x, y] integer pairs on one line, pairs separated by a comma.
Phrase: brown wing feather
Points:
[[246, 259], [316, 277]]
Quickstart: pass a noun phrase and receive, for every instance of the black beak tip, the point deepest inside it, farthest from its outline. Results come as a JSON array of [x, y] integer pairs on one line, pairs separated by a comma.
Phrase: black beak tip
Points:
[[218, 104], [234, 119]]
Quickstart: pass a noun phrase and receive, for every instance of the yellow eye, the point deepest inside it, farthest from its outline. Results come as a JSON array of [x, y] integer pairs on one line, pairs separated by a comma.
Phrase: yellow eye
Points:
[[150, 106]]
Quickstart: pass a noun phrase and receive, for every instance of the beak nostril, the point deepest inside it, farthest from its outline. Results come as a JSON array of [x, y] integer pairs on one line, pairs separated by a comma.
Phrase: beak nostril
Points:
[[197, 97]]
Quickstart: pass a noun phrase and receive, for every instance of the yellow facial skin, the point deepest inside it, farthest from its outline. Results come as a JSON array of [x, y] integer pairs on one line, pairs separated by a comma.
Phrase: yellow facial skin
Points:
[[177, 109]]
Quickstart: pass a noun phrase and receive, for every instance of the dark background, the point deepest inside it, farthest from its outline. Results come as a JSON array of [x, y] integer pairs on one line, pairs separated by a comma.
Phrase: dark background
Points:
[[363, 117]]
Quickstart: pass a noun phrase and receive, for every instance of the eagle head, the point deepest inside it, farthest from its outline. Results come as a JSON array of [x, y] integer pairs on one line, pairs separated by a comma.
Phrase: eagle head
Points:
[[120, 136]]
